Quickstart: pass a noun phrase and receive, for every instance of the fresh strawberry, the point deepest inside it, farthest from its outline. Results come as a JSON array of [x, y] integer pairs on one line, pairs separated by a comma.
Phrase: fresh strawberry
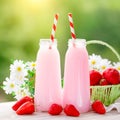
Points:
[[103, 82], [112, 76], [55, 109], [26, 108], [98, 107], [21, 101], [95, 77], [70, 110]]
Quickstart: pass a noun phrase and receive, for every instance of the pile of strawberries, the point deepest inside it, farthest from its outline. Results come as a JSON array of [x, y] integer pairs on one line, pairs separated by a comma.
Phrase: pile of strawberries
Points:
[[110, 76], [26, 106], [70, 110]]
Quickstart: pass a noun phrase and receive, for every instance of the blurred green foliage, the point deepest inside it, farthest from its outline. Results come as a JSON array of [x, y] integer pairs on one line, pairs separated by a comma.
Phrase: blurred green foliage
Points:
[[24, 22]]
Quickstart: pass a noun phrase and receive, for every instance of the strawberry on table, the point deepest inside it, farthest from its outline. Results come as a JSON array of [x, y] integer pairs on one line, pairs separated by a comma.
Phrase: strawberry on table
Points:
[[112, 76], [95, 77], [55, 109], [21, 101], [70, 110], [98, 107], [26, 108]]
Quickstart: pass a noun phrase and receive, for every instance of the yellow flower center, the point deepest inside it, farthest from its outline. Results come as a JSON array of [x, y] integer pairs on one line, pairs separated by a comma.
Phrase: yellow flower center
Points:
[[93, 62], [118, 68], [103, 67], [23, 94], [19, 69], [33, 64], [12, 85]]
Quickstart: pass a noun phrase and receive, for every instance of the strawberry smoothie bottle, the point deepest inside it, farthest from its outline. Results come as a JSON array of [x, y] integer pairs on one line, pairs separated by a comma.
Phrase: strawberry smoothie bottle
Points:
[[48, 76], [76, 76]]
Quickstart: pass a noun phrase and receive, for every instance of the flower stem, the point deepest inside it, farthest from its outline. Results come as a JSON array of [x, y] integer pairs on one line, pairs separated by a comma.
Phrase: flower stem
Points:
[[105, 44]]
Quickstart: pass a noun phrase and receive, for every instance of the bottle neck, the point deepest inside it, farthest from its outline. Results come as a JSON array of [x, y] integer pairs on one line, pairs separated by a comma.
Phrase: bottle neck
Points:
[[47, 43], [77, 43]]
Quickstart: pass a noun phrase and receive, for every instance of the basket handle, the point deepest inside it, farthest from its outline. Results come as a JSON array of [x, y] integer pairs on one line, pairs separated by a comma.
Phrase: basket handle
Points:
[[105, 44]]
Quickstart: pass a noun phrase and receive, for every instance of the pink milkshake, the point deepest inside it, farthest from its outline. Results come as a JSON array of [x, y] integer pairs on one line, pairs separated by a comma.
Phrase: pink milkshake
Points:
[[76, 76], [48, 76]]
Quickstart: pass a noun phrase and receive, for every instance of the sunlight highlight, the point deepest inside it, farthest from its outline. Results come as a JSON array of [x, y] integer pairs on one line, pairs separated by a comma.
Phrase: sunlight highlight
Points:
[[36, 1], [34, 5]]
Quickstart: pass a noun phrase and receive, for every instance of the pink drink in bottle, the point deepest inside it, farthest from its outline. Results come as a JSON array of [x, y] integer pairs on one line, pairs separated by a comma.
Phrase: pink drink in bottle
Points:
[[48, 76], [76, 76]]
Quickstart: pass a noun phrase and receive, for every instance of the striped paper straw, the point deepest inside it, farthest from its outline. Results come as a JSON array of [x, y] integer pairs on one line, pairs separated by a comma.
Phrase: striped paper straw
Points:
[[54, 27], [71, 26]]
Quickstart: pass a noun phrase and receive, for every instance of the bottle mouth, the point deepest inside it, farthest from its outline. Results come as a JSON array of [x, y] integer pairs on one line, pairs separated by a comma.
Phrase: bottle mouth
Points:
[[77, 42], [47, 42]]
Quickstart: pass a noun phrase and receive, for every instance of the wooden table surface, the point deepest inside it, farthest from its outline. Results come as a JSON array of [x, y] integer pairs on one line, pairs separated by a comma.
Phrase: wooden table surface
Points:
[[6, 113]]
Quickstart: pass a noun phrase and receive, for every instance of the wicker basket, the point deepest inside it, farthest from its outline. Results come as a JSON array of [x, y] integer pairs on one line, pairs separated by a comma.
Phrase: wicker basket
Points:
[[107, 94]]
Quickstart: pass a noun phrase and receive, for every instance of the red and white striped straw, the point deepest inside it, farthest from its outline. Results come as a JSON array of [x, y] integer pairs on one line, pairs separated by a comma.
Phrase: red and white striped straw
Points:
[[71, 26], [54, 27]]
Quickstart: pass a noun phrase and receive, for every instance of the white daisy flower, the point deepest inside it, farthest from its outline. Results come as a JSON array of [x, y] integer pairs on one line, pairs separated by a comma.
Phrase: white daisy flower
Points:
[[104, 64], [18, 79], [21, 92], [18, 67], [94, 61], [31, 65], [9, 86], [117, 66], [18, 72]]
